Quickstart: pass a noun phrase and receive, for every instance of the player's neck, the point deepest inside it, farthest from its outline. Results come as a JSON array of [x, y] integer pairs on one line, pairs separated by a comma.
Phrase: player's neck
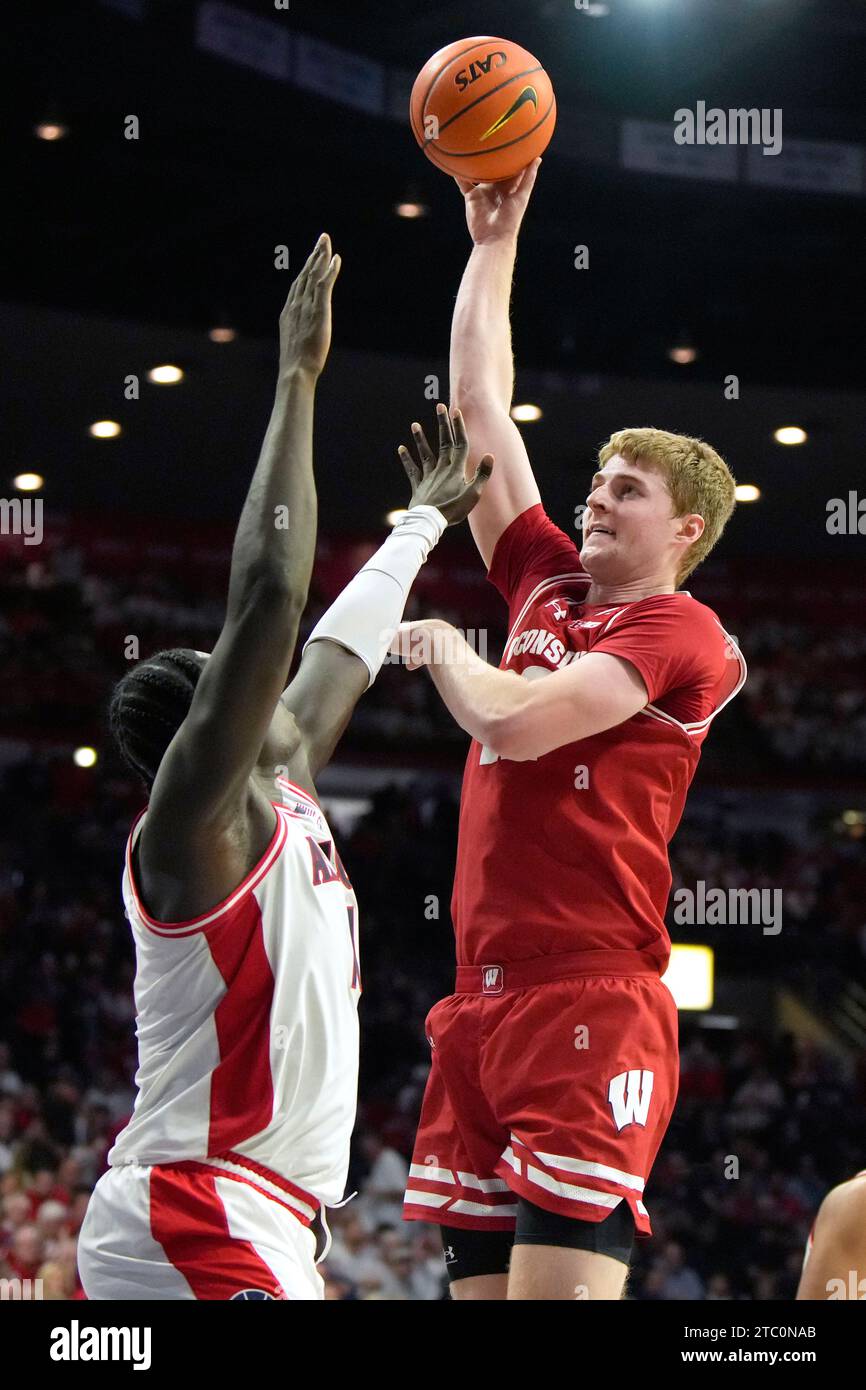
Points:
[[629, 592]]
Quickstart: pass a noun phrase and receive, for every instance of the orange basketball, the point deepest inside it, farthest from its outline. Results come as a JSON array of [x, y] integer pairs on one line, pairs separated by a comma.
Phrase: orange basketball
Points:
[[482, 108]]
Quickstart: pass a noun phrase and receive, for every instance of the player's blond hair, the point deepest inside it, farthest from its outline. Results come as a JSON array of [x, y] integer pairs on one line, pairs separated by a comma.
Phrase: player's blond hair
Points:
[[698, 480]]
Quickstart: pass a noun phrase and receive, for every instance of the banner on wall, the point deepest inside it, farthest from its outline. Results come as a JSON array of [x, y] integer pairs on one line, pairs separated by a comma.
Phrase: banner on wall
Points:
[[649, 146], [814, 166], [270, 47], [243, 38]]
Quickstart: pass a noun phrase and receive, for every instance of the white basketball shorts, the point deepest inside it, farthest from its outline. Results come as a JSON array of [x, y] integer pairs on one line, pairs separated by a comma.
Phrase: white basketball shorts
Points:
[[191, 1231]]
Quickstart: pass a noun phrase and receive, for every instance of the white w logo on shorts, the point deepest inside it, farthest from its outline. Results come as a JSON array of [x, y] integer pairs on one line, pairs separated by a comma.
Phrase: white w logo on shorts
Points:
[[629, 1095], [491, 979]]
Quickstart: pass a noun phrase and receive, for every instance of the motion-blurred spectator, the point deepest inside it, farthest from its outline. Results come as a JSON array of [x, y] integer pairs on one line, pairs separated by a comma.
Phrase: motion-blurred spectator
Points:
[[386, 1181], [679, 1280]]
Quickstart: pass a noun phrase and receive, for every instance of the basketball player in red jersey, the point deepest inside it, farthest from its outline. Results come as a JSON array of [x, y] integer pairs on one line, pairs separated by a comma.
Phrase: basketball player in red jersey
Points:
[[243, 918], [835, 1263], [554, 1065]]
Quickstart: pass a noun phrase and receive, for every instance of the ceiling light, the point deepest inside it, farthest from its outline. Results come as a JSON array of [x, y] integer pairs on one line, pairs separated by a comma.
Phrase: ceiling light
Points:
[[104, 429], [50, 130], [165, 376], [790, 434], [411, 209], [526, 413]]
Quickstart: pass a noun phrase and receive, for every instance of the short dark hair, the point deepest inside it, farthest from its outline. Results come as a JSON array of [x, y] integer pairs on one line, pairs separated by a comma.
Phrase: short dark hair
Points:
[[149, 705]]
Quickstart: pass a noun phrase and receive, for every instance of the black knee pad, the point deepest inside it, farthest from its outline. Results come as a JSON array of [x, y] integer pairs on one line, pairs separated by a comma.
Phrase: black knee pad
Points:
[[469, 1253], [614, 1236]]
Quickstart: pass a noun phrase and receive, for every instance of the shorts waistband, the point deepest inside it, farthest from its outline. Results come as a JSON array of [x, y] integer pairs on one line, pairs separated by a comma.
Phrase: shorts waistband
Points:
[[541, 970], [300, 1203]]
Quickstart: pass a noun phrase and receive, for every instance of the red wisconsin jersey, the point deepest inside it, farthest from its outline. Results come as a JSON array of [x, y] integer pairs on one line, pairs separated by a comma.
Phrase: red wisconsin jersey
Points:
[[568, 852]]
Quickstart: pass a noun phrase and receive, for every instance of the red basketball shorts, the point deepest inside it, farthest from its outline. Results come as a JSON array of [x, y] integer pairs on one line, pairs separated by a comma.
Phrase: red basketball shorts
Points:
[[548, 1082]]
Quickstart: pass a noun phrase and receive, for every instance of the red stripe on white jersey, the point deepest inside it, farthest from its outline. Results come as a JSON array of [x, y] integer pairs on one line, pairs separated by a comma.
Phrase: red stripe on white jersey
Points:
[[189, 1221], [242, 1087]]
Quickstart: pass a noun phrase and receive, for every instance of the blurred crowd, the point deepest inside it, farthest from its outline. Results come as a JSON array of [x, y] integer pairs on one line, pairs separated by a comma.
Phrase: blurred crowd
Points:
[[762, 1129], [84, 611], [807, 692], [790, 1118]]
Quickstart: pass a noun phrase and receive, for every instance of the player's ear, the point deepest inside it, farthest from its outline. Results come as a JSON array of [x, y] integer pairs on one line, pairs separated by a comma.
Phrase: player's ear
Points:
[[691, 527]]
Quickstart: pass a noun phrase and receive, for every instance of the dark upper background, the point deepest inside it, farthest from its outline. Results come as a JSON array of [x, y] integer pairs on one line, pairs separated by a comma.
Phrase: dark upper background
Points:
[[123, 253]]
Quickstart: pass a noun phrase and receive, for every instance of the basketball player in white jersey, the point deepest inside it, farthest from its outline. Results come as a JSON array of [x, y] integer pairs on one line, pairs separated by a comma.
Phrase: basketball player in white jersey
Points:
[[835, 1262], [244, 921]]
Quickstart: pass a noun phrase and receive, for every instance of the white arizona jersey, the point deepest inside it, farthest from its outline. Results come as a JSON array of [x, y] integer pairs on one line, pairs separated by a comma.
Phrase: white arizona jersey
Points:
[[247, 1017]]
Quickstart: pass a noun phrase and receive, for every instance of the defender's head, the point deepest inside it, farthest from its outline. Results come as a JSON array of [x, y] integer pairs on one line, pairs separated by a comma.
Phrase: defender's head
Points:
[[656, 508], [149, 705], [152, 700]]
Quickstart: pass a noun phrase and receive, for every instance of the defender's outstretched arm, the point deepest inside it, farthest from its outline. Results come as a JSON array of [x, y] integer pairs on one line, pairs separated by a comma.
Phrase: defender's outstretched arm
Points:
[[345, 650], [202, 779]]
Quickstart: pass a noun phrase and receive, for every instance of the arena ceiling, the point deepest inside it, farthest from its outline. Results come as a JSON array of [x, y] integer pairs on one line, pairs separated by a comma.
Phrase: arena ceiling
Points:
[[154, 240]]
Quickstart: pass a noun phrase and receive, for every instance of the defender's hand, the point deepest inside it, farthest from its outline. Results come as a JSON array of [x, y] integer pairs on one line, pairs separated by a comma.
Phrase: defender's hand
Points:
[[441, 482], [305, 323], [494, 211]]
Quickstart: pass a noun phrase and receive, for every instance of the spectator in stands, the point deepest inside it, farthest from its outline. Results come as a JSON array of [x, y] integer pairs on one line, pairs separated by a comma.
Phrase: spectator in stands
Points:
[[10, 1081], [679, 1280], [756, 1102], [25, 1253], [7, 1119], [796, 1122], [354, 1256], [59, 1273], [386, 1181]]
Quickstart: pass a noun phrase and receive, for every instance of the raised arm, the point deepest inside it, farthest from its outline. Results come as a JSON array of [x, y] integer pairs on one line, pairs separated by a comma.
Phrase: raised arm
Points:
[[202, 780], [481, 369]]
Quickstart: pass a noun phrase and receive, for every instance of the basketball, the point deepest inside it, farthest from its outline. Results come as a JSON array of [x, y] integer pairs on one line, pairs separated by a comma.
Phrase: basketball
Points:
[[483, 109]]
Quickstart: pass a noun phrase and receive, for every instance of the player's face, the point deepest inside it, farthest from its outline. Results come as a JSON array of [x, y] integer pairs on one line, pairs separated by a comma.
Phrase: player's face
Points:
[[628, 529]]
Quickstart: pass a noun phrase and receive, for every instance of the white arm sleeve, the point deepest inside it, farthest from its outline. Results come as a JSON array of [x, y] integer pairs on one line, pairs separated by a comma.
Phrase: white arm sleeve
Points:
[[365, 616]]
